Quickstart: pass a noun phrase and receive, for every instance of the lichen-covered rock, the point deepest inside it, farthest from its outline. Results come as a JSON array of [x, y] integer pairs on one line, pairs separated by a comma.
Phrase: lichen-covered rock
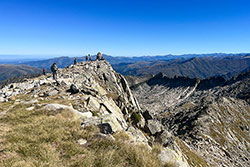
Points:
[[136, 135], [154, 126], [170, 157], [56, 107]]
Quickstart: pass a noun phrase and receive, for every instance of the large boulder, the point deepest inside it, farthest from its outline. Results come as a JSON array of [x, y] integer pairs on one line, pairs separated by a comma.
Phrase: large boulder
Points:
[[73, 89], [166, 138], [58, 107], [154, 127], [108, 123], [136, 135], [172, 158]]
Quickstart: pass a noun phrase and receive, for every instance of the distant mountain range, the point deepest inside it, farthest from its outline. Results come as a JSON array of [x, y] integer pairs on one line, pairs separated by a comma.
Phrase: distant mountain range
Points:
[[64, 61], [21, 59], [8, 71], [197, 67], [189, 65]]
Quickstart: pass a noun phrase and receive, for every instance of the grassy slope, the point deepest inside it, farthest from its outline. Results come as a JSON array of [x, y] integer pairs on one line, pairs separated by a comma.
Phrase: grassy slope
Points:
[[39, 138]]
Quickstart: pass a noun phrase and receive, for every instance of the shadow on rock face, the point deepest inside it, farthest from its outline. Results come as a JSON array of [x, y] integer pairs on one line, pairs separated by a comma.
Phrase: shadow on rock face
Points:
[[105, 128]]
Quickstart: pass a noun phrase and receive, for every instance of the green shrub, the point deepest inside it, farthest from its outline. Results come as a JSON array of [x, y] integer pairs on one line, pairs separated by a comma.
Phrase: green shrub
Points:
[[135, 117]]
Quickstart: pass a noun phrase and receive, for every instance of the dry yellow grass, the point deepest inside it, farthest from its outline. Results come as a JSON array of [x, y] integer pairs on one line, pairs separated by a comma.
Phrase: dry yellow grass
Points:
[[193, 159], [41, 139]]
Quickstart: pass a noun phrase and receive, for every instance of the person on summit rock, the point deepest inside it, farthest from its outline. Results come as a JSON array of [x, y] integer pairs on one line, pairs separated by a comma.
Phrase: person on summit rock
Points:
[[75, 61], [90, 59], [99, 56], [44, 71], [54, 69]]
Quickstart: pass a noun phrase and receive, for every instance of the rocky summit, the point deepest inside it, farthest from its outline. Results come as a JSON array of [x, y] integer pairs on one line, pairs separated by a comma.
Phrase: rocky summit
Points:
[[97, 96]]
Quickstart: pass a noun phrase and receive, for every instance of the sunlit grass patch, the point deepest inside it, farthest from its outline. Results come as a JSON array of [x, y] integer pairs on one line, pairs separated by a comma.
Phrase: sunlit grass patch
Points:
[[192, 158], [39, 138]]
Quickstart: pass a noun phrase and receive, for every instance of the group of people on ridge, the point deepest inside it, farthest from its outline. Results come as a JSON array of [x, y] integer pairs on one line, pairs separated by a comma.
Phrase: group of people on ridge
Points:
[[54, 67]]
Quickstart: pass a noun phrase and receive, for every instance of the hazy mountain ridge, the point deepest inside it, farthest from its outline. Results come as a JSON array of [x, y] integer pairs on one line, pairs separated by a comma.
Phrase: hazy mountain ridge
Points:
[[17, 59], [201, 66], [8, 71], [64, 61], [204, 67]]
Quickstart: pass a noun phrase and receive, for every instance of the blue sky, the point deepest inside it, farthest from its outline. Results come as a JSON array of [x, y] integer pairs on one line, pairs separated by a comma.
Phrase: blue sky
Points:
[[123, 28]]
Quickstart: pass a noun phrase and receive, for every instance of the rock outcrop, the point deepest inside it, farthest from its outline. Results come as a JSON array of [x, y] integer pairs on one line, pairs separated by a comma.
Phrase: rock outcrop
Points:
[[94, 87], [207, 119]]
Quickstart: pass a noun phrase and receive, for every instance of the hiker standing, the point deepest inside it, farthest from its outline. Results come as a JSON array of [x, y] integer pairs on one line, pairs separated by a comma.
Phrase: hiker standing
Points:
[[75, 61], [90, 59], [54, 69], [44, 71], [87, 59], [99, 56]]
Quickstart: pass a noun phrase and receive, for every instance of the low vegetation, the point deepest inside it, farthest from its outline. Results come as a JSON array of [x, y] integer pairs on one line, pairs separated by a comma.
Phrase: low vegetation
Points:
[[39, 138], [136, 118], [193, 159]]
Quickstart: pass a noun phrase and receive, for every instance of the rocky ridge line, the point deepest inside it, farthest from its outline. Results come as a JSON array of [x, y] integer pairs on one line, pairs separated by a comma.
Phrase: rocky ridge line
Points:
[[211, 120]]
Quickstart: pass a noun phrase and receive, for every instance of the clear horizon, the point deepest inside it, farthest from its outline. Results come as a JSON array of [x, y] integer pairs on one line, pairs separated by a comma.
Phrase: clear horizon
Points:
[[38, 57], [131, 28]]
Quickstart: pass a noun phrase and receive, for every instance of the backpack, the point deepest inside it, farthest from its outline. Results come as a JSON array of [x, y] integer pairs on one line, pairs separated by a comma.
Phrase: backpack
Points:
[[54, 68]]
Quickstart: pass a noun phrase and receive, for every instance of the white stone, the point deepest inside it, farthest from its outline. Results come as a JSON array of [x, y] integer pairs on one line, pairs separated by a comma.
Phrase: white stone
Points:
[[82, 141], [30, 108], [31, 102], [169, 156], [86, 114], [54, 107], [2, 99], [53, 93], [9, 93], [43, 81]]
